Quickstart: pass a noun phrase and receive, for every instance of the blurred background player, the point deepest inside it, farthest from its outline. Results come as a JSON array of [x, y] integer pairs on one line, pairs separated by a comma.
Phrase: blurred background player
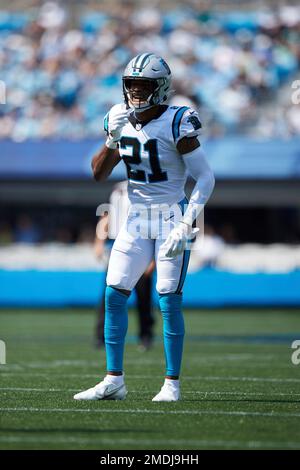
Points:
[[143, 288]]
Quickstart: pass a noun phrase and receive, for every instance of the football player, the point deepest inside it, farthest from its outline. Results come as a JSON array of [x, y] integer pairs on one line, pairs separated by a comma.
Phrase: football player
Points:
[[158, 144]]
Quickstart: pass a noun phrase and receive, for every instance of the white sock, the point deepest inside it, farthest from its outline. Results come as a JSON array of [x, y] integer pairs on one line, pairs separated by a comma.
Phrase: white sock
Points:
[[114, 379], [172, 383]]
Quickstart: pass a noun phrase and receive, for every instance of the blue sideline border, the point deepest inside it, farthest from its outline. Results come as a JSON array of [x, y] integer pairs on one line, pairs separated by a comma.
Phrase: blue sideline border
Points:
[[208, 287], [63, 159]]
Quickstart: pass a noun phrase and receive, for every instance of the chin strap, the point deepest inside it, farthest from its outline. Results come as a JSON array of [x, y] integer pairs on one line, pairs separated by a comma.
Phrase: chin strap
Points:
[[141, 110]]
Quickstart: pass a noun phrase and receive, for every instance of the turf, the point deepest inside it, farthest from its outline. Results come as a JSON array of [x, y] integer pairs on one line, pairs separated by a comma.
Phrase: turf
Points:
[[240, 389]]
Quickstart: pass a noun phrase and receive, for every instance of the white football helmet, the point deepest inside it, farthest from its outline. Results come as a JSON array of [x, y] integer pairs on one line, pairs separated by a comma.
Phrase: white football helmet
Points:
[[150, 68]]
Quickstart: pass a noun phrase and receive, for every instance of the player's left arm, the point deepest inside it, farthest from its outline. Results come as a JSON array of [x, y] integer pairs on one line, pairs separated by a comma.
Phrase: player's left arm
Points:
[[198, 167], [188, 146]]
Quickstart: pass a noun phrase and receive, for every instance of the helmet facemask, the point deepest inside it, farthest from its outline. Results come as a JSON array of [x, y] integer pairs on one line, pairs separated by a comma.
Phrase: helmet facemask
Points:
[[140, 93]]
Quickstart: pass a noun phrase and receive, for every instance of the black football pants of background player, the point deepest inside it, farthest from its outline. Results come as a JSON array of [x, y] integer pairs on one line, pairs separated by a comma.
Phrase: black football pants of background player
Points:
[[144, 307]]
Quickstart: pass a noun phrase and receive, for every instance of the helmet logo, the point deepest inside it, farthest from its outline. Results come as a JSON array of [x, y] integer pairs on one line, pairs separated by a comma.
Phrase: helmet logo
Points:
[[164, 63]]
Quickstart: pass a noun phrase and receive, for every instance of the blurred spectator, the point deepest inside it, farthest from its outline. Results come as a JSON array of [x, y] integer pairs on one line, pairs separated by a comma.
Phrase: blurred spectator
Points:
[[26, 231], [86, 234], [206, 249], [62, 77], [6, 233], [228, 234], [51, 15], [62, 235]]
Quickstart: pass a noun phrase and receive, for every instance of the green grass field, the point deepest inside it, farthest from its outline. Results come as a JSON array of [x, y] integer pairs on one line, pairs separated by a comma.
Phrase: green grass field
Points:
[[240, 389]]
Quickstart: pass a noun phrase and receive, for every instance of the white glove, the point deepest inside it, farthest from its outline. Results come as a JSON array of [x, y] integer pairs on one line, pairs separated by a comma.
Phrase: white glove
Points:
[[178, 238], [116, 120]]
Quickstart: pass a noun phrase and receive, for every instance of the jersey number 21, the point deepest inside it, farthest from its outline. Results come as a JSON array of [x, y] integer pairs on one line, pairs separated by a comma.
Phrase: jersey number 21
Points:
[[150, 146]]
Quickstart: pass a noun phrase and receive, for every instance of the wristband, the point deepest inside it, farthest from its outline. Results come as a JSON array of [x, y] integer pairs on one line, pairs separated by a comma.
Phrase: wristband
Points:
[[111, 144]]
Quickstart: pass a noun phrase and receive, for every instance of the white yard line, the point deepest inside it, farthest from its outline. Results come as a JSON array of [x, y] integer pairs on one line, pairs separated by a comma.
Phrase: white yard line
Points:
[[152, 411], [141, 359], [157, 442], [144, 392], [185, 377]]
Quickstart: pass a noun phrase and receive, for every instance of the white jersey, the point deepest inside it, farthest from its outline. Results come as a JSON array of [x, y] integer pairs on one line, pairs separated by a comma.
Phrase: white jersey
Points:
[[155, 169]]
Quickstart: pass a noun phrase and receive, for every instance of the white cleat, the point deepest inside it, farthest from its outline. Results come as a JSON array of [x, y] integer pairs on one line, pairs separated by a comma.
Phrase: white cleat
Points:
[[103, 391], [167, 393]]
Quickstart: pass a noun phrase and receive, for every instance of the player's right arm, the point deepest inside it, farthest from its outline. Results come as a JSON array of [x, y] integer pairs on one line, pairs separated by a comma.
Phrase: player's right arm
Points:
[[104, 162], [108, 157]]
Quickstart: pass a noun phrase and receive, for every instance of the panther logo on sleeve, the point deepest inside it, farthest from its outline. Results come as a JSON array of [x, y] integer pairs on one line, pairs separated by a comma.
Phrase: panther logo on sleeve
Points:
[[195, 122]]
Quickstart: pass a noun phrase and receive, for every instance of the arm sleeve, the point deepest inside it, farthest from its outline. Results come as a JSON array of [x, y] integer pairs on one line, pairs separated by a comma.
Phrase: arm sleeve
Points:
[[199, 169], [186, 123]]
